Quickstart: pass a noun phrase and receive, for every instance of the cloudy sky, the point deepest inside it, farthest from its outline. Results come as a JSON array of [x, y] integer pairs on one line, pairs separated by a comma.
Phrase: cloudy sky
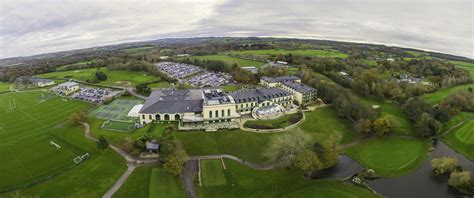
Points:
[[34, 27]]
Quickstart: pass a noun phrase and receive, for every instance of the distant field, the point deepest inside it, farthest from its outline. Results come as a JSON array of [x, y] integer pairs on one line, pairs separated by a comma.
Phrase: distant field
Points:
[[26, 129], [165, 184], [114, 77], [243, 181], [274, 52], [390, 156], [4, 86], [82, 63], [465, 65], [404, 126], [135, 50], [212, 173], [440, 95], [230, 60]]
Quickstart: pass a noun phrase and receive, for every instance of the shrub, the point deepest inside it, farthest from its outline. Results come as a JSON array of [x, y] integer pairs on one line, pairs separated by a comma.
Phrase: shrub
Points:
[[443, 165]]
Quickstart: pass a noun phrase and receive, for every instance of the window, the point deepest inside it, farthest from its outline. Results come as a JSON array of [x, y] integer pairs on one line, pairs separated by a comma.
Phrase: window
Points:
[[210, 114], [217, 113], [149, 117], [143, 116], [222, 113], [228, 112]]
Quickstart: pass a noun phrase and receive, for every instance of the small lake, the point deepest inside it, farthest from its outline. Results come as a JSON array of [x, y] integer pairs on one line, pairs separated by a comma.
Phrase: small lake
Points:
[[420, 183]]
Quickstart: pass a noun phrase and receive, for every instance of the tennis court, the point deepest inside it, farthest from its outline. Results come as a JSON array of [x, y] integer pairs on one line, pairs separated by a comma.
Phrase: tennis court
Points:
[[116, 110]]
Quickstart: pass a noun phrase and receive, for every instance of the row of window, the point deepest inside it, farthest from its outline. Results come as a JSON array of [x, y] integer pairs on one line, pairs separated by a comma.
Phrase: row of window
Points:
[[217, 113]]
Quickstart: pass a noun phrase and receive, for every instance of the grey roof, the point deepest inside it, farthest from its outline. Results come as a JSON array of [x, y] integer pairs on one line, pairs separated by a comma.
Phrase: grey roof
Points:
[[173, 101], [153, 145], [258, 95], [299, 87], [281, 78]]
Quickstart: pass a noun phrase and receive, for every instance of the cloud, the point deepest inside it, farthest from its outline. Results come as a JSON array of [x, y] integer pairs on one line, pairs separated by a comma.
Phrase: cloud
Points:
[[32, 27]]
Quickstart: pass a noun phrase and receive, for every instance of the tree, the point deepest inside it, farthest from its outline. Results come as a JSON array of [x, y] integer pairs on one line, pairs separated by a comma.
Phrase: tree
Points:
[[364, 126], [444, 165], [382, 126], [102, 143], [286, 147], [78, 118], [307, 161], [459, 179], [100, 76], [175, 162], [330, 145]]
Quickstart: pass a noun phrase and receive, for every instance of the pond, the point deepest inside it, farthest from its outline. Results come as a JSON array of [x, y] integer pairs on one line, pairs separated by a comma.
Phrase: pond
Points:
[[420, 183]]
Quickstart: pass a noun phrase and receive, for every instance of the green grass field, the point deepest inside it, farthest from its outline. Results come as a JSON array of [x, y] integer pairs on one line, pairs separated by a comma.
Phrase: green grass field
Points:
[[465, 65], [230, 88], [230, 60], [212, 173], [461, 138], [390, 156], [25, 135], [394, 112], [91, 178], [440, 95], [114, 77], [321, 122], [246, 145], [4, 87], [137, 185], [165, 184], [274, 52], [247, 182]]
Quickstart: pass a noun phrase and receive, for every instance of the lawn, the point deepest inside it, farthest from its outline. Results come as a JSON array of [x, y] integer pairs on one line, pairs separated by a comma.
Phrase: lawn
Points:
[[231, 88], [321, 122], [461, 138], [390, 156], [212, 173], [246, 145], [278, 123], [314, 53], [246, 182], [4, 87], [230, 60], [441, 94], [91, 178], [165, 184], [394, 112], [137, 185], [114, 77]]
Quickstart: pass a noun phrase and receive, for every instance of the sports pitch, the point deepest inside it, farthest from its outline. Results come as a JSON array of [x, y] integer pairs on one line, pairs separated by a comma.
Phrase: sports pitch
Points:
[[116, 110], [121, 126], [465, 133], [27, 120], [212, 173]]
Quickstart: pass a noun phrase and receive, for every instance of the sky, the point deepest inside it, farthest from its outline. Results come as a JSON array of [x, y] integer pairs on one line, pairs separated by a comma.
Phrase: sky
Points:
[[35, 27]]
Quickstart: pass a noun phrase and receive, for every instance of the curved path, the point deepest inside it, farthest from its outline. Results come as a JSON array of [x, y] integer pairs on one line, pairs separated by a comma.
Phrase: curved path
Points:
[[455, 126], [240, 160]]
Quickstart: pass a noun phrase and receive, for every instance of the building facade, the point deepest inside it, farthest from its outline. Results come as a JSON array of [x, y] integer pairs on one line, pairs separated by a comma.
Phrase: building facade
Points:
[[303, 94]]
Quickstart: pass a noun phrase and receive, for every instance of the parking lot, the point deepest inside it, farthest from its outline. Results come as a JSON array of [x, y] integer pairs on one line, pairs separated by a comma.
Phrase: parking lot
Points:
[[178, 70], [209, 79], [96, 95]]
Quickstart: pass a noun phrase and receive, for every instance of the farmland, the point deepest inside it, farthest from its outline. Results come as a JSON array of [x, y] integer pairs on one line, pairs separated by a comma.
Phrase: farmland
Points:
[[230, 60], [274, 52]]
